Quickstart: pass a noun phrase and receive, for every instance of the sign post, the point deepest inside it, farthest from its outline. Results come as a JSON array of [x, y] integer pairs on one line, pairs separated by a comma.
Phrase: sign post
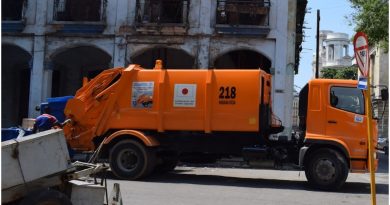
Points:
[[360, 44]]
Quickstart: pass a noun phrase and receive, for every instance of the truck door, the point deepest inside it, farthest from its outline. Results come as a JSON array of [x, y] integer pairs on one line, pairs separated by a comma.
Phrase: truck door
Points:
[[346, 120]]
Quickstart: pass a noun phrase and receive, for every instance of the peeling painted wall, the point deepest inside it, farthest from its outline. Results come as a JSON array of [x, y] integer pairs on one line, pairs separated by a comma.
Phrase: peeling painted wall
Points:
[[120, 40]]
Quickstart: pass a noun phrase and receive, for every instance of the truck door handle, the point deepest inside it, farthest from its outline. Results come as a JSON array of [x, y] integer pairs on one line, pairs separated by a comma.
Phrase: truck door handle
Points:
[[332, 122]]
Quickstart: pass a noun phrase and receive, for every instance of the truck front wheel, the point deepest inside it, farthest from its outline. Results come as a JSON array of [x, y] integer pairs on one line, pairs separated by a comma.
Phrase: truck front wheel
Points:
[[130, 159], [326, 169]]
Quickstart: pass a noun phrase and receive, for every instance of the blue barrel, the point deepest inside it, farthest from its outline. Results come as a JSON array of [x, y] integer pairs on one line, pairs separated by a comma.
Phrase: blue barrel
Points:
[[10, 133], [57, 106]]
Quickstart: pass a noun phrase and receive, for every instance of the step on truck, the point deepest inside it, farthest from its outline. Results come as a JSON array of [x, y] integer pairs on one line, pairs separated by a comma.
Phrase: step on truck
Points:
[[144, 120]]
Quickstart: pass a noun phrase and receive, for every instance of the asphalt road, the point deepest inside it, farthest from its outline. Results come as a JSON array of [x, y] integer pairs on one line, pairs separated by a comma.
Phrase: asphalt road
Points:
[[212, 185]]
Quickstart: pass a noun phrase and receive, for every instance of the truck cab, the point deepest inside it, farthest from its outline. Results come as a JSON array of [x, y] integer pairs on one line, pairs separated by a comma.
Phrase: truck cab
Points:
[[333, 120]]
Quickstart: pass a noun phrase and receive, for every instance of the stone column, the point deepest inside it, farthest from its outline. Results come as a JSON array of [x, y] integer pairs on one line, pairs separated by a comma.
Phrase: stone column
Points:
[[36, 79], [203, 53]]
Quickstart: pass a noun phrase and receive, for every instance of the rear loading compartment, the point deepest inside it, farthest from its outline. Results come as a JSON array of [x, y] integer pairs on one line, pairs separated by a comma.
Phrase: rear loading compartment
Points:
[[201, 101]]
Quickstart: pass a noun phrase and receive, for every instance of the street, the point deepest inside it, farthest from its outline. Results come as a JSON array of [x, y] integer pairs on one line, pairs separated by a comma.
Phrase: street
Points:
[[211, 185]]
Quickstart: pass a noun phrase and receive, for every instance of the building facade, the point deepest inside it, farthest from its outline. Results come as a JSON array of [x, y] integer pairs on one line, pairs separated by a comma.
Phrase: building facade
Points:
[[295, 111], [50, 45], [334, 51], [379, 73]]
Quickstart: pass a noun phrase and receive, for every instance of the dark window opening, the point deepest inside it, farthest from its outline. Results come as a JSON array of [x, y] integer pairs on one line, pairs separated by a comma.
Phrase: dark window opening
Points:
[[243, 12], [162, 11], [172, 58], [246, 59], [79, 10], [71, 65], [12, 10], [15, 85]]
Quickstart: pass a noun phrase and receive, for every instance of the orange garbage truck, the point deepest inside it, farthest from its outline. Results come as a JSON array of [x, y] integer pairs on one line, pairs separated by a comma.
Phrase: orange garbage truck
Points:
[[142, 120]]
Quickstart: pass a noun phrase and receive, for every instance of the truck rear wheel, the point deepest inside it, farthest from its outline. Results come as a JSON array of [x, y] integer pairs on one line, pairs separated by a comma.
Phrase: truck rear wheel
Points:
[[326, 169], [130, 159]]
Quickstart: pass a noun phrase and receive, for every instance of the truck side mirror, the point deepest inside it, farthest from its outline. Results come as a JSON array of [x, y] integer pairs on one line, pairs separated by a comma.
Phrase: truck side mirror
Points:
[[385, 94]]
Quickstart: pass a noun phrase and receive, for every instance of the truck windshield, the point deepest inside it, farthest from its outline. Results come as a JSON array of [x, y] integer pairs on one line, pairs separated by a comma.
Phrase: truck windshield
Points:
[[348, 99]]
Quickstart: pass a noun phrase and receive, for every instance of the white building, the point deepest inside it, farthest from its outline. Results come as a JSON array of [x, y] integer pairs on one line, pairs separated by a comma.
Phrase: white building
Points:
[[334, 51], [379, 73], [295, 111], [49, 45]]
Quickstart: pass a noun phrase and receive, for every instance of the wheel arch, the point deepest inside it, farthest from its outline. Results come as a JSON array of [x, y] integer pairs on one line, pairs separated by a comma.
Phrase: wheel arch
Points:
[[314, 145], [121, 135]]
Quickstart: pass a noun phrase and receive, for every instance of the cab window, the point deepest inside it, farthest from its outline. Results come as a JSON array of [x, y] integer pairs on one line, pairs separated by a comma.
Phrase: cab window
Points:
[[347, 99]]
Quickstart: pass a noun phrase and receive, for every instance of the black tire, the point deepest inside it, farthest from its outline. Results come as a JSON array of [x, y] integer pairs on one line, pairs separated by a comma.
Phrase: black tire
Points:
[[326, 169], [46, 197], [130, 159]]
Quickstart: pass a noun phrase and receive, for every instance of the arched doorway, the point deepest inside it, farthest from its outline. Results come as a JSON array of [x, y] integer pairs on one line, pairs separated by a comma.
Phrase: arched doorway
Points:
[[70, 66], [172, 58], [15, 85], [246, 59]]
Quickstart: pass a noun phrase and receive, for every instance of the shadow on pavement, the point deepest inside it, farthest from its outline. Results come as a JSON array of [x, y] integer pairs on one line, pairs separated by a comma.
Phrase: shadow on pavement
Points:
[[383, 166], [180, 177], [186, 177]]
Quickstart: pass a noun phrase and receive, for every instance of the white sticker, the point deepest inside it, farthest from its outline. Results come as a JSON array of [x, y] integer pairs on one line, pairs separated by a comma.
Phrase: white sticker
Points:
[[184, 95], [142, 94], [358, 119]]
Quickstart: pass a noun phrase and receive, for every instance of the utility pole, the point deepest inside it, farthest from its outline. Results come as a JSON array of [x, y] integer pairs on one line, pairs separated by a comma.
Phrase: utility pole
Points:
[[318, 45]]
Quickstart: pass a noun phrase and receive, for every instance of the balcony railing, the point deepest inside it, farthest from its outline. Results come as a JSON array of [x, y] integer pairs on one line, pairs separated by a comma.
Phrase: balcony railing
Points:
[[243, 17], [162, 12], [80, 10]]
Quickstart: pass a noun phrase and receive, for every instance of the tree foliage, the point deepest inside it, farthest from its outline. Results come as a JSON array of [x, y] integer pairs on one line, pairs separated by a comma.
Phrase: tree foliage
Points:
[[372, 18], [340, 73]]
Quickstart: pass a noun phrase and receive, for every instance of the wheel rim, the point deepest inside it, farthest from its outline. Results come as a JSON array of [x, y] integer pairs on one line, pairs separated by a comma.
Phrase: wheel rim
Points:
[[128, 160], [325, 170]]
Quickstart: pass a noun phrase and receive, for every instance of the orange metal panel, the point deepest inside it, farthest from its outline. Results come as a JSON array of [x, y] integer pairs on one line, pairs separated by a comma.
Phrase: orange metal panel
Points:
[[159, 99]]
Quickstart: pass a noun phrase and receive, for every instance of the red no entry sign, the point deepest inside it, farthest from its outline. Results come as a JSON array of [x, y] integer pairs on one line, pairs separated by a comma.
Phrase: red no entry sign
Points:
[[362, 56]]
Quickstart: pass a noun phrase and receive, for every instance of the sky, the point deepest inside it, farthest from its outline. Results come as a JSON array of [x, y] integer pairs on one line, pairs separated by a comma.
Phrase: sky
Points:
[[333, 17]]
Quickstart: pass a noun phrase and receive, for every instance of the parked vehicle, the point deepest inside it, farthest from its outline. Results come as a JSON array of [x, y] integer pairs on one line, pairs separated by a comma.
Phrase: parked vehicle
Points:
[[204, 115], [383, 144]]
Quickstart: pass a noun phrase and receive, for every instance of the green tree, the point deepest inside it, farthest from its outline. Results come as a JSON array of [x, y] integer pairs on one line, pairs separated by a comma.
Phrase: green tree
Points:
[[372, 18], [340, 73], [328, 73]]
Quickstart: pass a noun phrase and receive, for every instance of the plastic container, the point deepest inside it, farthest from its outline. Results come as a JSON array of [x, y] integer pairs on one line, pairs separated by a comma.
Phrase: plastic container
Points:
[[57, 106], [10, 133]]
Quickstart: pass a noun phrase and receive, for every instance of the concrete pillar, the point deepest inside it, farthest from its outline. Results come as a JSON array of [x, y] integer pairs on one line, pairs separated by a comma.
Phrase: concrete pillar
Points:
[[36, 79], [47, 83], [337, 51], [203, 53], [327, 54], [206, 12], [119, 58], [279, 77]]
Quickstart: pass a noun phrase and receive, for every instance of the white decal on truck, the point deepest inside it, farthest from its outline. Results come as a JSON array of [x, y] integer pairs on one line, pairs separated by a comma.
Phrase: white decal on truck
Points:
[[142, 94], [358, 119], [184, 95]]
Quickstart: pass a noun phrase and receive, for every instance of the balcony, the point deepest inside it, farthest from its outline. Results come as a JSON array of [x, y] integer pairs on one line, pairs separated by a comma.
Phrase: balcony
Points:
[[243, 17], [13, 13], [162, 16], [79, 16]]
